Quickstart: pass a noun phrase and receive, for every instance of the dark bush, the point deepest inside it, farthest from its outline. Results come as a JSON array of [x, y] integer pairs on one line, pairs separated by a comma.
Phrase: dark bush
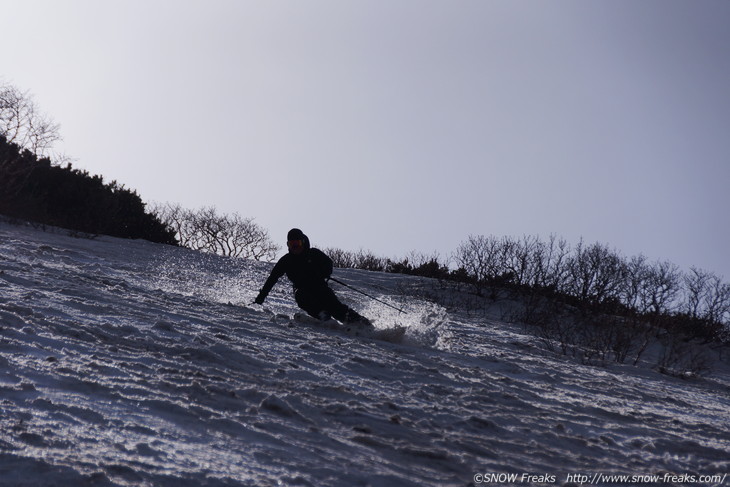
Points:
[[36, 190]]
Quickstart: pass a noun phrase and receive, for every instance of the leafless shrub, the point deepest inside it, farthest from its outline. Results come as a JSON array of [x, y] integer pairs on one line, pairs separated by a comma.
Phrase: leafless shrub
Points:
[[660, 289], [367, 260], [209, 231], [595, 274], [479, 256], [22, 123], [707, 302], [682, 358], [362, 259], [341, 258]]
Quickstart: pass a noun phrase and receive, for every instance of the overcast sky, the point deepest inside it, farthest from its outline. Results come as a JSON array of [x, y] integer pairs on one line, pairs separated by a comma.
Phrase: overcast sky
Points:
[[394, 125]]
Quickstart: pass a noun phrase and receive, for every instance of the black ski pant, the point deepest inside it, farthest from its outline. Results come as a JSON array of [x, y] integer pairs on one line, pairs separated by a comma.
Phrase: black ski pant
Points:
[[321, 299]]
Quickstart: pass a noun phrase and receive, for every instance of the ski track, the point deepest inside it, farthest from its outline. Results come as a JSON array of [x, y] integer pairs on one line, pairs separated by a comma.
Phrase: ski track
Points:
[[130, 363]]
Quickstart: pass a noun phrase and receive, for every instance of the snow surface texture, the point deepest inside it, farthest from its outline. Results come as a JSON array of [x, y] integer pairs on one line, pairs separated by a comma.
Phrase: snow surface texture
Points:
[[130, 363]]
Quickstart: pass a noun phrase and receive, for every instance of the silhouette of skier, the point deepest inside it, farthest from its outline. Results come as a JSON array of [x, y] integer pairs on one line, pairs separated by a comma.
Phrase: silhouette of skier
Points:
[[308, 269]]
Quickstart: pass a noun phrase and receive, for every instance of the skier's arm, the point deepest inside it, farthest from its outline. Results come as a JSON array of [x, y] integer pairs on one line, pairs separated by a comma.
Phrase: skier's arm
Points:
[[324, 264], [278, 271]]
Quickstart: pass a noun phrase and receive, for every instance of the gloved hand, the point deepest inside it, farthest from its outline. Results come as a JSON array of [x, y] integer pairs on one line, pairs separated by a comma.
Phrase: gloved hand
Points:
[[260, 298]]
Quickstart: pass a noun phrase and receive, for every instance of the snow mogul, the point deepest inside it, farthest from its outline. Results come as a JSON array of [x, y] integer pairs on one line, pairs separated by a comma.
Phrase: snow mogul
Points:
[[308, 269]]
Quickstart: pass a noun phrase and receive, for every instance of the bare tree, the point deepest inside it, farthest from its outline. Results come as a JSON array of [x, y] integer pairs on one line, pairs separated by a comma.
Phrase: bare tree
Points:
[[367, 260], [22, 123], [636, 275], [479, 257], [208, 231], [696, 284], [717, 301], [515, 258], [706, 296], [660, 289], [343, 259], [549, 263], [596, 273], [175, 217]]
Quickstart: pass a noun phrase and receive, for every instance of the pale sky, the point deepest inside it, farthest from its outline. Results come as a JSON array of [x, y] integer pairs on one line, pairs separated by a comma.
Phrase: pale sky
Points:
[[399, 125]]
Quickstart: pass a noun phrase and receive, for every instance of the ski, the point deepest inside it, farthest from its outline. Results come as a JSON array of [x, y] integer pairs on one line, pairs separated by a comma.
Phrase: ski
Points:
[[393, 335]]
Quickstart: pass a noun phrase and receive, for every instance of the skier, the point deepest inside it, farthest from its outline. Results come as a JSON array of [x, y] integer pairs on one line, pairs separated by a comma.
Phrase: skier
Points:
[[308, 269]]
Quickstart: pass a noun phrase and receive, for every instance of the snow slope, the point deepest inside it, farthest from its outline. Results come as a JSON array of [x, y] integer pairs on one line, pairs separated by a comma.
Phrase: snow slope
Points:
[[129, 363]]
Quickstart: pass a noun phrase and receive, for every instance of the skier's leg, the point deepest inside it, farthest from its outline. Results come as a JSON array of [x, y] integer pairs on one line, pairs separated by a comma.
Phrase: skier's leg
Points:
[[340, 311], [316, 302], [308, 302]]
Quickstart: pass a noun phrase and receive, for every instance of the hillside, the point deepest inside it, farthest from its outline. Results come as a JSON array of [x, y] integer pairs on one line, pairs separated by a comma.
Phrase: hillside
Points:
[[124, 362]]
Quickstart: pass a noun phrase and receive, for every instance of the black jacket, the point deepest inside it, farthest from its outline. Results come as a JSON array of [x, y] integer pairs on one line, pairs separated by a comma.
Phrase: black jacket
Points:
[[308, 270]]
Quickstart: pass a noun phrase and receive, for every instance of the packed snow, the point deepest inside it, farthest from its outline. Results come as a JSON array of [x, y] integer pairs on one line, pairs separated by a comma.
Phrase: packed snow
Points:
[[134, 364]]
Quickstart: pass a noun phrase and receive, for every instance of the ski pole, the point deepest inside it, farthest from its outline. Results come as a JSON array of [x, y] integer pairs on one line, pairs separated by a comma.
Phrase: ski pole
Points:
[[366, 294]]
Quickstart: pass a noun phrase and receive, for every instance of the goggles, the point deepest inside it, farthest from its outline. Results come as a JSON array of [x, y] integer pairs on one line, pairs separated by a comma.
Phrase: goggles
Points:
[[295, 244]]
